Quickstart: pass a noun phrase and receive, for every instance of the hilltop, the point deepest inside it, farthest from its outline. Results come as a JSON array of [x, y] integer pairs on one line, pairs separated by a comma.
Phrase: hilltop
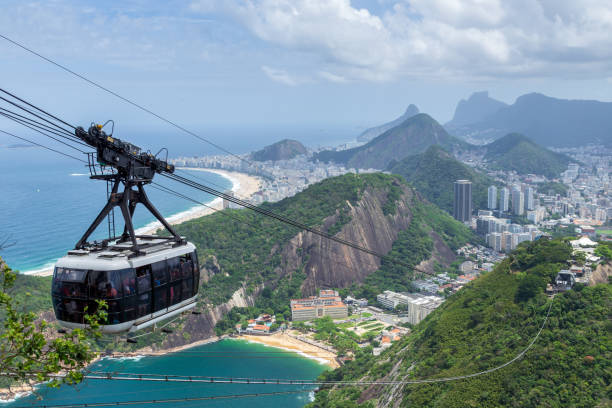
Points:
[[486, 324], [475, 109], [375, 131], [546, 120], [412, 136], [519, 153], [433, 173], [285, 149]]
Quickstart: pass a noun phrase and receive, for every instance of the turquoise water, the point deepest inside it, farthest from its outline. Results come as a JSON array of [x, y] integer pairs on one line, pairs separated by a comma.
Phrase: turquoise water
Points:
[[47, 202], [236, 358]]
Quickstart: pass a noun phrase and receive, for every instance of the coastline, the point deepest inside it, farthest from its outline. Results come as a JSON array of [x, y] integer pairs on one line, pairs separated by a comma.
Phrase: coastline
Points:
[[243, 186], [280, 341], [286, 342]]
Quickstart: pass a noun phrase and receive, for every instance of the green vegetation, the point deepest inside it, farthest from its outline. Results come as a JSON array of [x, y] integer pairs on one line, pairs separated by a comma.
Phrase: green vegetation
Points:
[[31, 293], [412, 136], [246, 245], [412, 246], [516, 152], [242, 249], [433, 173], [26, 351], [552, 188], [487, 324]]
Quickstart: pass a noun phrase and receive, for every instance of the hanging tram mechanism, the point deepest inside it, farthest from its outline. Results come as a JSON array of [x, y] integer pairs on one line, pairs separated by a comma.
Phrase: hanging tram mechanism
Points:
[[142, 278]]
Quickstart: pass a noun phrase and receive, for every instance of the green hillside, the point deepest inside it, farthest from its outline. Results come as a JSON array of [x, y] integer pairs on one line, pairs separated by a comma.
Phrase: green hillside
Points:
[[519, 153], [247, 245], [412, 136], [433, 173], [486, 324]]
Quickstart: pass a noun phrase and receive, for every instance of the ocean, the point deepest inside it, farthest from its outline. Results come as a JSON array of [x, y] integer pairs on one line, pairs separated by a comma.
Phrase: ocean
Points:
[[48, 201], [226, 358]]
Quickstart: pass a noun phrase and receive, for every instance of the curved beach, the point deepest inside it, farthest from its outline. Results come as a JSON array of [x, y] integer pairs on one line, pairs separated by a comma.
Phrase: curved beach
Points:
[[243, 186]]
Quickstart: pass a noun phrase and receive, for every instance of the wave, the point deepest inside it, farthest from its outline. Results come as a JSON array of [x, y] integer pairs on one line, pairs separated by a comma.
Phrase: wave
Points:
[[45, 268], [79, 174]]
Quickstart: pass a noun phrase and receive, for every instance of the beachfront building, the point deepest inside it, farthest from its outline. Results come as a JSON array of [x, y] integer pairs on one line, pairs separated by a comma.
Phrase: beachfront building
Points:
[[418, 305], [328, 303]]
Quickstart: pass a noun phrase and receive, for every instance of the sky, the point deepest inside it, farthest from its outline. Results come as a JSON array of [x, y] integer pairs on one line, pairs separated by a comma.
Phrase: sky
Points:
[[331, 66]]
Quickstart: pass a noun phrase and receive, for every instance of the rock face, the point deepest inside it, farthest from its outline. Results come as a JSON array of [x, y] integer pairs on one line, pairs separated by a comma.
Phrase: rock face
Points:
[[201, 327], [376, 131], [601, 274], [328, 264], [284, 150]]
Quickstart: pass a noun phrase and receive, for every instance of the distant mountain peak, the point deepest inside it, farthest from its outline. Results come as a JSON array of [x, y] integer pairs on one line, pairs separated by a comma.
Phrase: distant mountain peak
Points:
[[546, 120], [285, 149], [476, 108], [376, 131], [413, 135]]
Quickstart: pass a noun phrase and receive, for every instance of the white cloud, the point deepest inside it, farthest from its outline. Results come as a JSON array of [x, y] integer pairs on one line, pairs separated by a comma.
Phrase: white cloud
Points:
[[281, 76], [439, 38]]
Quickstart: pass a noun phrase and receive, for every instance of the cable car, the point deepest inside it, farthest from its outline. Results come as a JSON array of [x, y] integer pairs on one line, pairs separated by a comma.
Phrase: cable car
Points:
[[160, 282], [142, 278]]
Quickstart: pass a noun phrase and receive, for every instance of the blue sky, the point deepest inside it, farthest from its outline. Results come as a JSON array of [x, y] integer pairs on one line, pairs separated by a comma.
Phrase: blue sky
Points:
[[332, 64]]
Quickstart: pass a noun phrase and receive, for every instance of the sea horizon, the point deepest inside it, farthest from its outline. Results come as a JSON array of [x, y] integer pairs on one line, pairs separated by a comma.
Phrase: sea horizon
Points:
[[47, 207]]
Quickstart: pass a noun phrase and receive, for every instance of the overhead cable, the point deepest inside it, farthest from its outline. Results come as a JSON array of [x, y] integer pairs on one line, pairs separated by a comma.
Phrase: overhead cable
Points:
[[115, 94]]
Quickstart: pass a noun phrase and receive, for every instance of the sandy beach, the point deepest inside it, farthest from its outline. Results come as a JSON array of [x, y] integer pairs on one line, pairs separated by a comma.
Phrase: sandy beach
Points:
[[243, 187], [283, 341]]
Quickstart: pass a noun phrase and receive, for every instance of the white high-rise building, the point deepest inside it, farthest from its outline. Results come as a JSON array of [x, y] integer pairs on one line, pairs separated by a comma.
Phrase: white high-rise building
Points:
[[504, 202], [492, 198], [529, 199], [518, 201]]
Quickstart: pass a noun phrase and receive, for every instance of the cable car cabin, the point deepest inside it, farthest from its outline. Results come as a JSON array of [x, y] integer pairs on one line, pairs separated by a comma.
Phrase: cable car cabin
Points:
[[139, 290]]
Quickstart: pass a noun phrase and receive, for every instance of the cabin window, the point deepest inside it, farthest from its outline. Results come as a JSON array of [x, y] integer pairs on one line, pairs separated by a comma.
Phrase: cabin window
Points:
[[174, 268], [143, 277], [159, 273]]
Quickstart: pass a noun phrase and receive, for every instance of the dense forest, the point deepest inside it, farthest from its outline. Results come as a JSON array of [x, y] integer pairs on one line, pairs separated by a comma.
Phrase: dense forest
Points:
[[486, 324]]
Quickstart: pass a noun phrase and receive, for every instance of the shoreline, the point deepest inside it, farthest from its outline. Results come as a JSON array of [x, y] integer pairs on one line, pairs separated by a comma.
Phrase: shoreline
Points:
[[243, 185], [280, 341], [285, 342]]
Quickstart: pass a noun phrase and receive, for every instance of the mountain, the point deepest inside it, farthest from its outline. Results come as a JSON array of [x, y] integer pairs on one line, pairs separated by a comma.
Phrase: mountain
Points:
[[284, 150], [375, 131], [475, 109], [433, 173], [517, 152], [412, 136], [548, 121], [484, 325], [255, 262]]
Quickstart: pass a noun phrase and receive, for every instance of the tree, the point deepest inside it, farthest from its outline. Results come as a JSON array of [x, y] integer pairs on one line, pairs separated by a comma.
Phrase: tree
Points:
[[529, 286], [604, 251], [29, 352]]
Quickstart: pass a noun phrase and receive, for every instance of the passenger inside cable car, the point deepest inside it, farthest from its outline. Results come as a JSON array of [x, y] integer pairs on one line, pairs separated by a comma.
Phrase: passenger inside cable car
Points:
[[130, 293]]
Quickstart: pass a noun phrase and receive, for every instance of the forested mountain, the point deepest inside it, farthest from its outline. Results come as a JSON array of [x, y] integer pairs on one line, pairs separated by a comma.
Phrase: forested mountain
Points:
[[486, 324], [548, 121], [412, 136], [375, 131], [475, 109], [283, 150], [517, 152], [251, 260], [433, 173]]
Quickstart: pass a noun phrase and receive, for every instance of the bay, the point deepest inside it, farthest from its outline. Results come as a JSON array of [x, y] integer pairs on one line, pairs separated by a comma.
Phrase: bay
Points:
[[226, 358]]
